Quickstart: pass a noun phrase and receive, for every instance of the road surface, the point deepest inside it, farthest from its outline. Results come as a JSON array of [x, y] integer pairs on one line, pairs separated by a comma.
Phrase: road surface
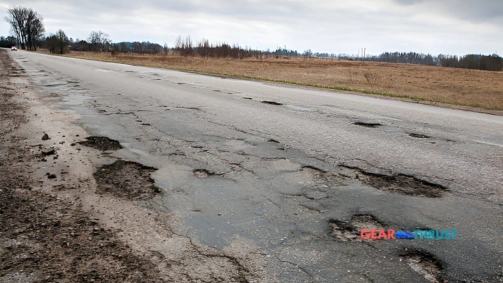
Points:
[[280, 180]]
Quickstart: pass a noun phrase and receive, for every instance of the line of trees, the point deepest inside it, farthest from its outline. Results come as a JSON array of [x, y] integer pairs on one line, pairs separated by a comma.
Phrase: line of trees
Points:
[[138, 47], [97, 41], [203, 48], [58, 42], [27, 25], [28, 30], [406, 57], [469, 61], [8, 41], [473, 61]]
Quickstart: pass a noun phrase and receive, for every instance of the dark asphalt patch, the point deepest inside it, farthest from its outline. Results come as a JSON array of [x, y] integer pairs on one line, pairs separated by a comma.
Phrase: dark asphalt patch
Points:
[[419, 136], [368, 124], [424, 264], [101, 143], [400, 184], [127, 180], [272, 102]]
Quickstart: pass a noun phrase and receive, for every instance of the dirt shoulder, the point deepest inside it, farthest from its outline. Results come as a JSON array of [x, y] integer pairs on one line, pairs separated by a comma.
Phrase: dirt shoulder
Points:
[[44, 238]]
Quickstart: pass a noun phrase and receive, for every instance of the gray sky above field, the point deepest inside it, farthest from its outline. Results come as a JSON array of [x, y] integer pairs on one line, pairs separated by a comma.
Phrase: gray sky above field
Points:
[[429, 26]]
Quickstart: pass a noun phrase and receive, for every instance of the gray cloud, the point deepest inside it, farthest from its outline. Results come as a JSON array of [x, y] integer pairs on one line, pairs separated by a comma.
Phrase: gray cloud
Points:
[[448, 26]]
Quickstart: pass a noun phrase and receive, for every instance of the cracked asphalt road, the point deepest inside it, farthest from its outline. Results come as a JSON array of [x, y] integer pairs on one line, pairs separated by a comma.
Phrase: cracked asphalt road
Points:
[[258, 172]]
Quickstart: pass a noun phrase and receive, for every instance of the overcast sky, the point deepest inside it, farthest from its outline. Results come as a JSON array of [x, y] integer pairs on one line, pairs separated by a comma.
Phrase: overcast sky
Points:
[[429, 26]]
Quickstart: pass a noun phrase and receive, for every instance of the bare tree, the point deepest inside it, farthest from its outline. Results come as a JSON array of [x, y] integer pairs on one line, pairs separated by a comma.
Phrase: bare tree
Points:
[[16, 17], [165, 49], [34, 30], [123, 47], [63, 41], [57, 43], [26, 25], [99, 41]]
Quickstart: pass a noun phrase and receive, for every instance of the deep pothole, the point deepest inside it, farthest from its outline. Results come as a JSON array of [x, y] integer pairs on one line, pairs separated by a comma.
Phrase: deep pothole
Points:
[[350, 230], [368, 124], [127, 180], [400, 184], [271, 102], [424, 264], [101, 143]]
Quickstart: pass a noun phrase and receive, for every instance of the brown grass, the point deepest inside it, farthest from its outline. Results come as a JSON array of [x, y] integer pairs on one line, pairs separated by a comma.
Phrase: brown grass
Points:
[[482, 89]]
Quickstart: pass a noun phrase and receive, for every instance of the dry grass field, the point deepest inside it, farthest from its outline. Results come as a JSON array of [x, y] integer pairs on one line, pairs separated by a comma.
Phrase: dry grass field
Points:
[[461, 87]]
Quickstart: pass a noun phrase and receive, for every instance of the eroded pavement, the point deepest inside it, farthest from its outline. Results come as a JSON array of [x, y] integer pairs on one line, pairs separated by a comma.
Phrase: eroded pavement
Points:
[[211, 179]]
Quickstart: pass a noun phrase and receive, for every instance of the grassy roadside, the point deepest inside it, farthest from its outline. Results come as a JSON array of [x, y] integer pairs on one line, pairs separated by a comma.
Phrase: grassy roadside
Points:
[[474, 90]]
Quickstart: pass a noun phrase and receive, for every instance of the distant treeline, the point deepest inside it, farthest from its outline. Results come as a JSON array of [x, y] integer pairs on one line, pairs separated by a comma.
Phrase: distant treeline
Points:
[[186, 47], [473, 61], [7, 42], [470, 61], [183, 47], [205, 49], [100, 42]]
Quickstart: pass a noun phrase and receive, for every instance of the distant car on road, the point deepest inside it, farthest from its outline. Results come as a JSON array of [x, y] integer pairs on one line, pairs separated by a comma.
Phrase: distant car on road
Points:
[[13, 48]]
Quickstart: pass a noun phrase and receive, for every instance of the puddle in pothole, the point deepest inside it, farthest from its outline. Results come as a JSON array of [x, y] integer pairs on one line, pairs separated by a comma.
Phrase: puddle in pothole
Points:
[[127, 180], [101, 143]]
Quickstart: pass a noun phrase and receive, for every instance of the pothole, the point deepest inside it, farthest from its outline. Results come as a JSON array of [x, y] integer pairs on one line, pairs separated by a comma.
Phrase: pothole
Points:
[[400, 184], [101, 143], [419, 136], [127, 180], [424, 264], [368, 124], [202, 173], [272, 102], [322, 179], [350, 230]]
